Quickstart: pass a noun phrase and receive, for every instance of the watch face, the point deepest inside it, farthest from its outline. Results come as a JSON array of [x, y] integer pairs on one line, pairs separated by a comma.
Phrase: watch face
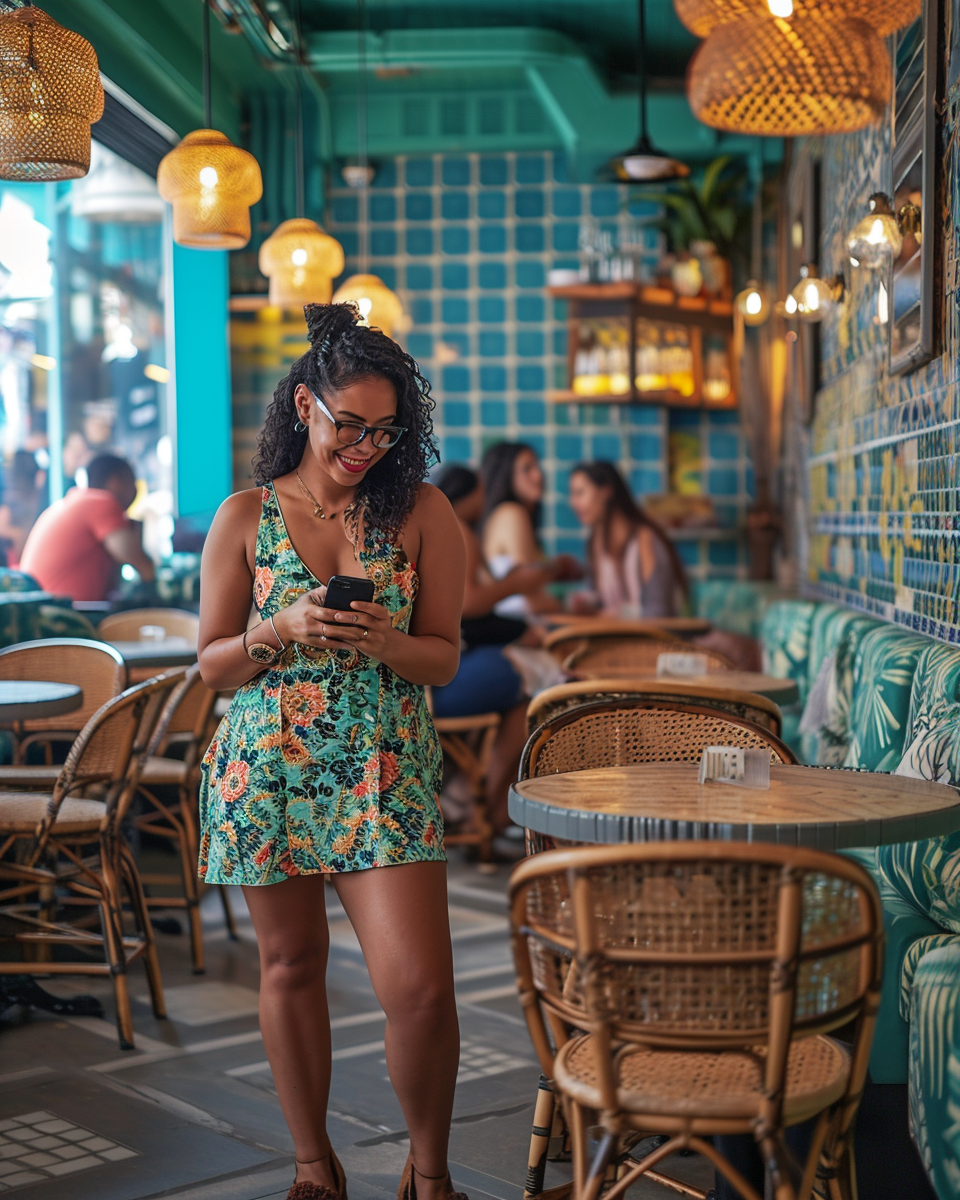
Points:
[[262, 653]]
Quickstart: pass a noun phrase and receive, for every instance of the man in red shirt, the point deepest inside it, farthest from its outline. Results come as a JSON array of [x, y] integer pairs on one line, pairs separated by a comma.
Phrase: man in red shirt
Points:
[[78, 544]]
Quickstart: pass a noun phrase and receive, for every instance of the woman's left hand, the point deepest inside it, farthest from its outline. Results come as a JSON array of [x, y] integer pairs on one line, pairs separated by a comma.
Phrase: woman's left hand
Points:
[[366, 627]]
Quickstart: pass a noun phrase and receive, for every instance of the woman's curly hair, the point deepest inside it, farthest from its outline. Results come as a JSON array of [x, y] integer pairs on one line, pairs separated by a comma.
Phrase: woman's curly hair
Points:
[[342, 352]]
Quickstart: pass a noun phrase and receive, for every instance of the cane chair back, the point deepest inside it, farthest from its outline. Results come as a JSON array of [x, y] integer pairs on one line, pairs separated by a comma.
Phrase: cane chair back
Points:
[[705, 976], [126, 626], [186, 718], [746, 706], [635, 651], [95, 668]]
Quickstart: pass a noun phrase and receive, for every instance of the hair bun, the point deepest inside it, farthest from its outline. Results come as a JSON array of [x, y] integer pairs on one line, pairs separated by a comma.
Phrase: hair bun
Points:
[[329, 321]]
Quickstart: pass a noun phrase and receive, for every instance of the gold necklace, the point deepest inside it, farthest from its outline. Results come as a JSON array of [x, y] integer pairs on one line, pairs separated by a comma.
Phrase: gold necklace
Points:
[[317, 506]]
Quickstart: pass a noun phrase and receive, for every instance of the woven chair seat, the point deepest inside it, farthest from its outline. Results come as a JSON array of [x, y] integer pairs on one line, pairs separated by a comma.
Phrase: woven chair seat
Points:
[[21, 812], [467, 724], [157, 770], [672, 1083], [19, 777]]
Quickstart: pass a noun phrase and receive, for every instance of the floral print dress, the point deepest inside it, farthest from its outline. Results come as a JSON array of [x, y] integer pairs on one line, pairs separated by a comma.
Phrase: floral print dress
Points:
[[327, 761]]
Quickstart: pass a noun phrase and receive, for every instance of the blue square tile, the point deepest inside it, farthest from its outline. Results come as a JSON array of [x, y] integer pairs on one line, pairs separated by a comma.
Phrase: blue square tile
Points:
[[493, 379], [724, 445], [455, 379], [419, 345], [605, 446], [419, 172], [455, 172], [455, 206], [645, 446], [560, 341], [492, 413], [492, 239], [492, 343], [531, 379], [723, 481], [566, 202], [455, 276], [684, 418], [530, 308], [459, 342], [530, 275], [387, 273], [530, 168], [421, 311], [493, 170], [529, 239], [528, 202], [566, 236], [689, 552], [568, 447], [571, 545], [724, 417], [491, 206], [349, 241], [345, 210], [386, 174], [565, 517], [491, 310], [648, 417], [383, 208], [644, 482], [419, 277], [537, 444], [492, 275], [383, 243], [455, 239], [605, 201], [456, 413], [531, 412], [418, 206], [455, 311], [643, 208], [419, 241], [722, 554], [530, 343], [456, 449]]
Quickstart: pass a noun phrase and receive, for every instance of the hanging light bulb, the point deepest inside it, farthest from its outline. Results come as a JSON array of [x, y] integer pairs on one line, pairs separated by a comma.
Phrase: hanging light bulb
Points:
[[790, 305], [380, 308], [753, 304], [210, 182], [301, 262], [49, 97], [781, 8], [816, 297], [876, 239]]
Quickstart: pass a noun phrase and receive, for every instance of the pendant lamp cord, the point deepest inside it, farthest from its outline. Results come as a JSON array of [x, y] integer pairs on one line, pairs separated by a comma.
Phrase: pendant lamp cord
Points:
[[301, 204], [756, 239], [207, 110], [642, 66], [362, 128]]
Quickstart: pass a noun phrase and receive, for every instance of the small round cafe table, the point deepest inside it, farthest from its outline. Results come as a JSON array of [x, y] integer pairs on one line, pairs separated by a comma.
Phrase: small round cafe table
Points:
[[160, 654], [682, 626], [804, 806], [23, 699], [780, 691]]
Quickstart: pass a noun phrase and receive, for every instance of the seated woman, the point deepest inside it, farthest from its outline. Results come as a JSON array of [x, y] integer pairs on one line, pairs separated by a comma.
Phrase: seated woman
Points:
[[513, 482], [635, 567], [486, 680]]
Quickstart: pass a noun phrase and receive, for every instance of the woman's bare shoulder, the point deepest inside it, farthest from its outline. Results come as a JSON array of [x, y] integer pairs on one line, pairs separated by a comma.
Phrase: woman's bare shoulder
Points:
[[240, 511], [508, 515]]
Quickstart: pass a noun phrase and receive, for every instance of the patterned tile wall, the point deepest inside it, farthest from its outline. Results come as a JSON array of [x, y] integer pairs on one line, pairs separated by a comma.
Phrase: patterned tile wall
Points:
[[467, 242], [884, 512]]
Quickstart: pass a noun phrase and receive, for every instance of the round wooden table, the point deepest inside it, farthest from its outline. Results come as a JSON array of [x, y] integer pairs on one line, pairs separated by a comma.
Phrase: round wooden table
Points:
[[804, 806], [678, 625], [164, 652], [23, 699], [781, 691]]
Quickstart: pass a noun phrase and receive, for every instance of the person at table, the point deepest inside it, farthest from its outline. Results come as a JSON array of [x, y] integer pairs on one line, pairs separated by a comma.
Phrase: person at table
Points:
[[78, 545], [327, 764], [635, 568], [513, 484], [486, 680]]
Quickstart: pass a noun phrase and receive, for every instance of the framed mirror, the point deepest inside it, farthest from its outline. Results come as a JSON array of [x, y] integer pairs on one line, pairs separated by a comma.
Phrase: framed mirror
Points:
[[913, 293]]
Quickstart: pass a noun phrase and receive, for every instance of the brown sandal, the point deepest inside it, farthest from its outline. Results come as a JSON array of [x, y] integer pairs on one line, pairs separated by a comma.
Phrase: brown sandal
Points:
[[307, 1189], [408, 1185]]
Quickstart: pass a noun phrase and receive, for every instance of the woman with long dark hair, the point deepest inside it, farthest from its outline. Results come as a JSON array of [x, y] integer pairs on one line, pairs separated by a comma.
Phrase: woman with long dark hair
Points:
[[513, 483], [635, 567], [327, 763]]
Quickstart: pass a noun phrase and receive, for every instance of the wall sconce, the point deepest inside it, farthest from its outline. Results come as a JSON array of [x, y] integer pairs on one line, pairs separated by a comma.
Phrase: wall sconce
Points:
[[753, 304], [877, 239], [816, 297]]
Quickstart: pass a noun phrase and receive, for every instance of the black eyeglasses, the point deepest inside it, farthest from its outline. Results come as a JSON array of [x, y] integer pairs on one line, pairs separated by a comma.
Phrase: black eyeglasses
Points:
[[351, 433]]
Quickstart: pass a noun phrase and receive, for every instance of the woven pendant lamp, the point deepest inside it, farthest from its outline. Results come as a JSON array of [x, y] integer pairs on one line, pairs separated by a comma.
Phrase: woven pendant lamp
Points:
[[50, 95], [703, 16], [781, 78], [380, 308], [301, 262], [210, 182]]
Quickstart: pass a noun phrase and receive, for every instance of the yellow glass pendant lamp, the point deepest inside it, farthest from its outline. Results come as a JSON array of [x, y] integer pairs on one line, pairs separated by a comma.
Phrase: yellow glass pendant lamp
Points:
[[379, 307], [810, 75], [50, 95], [703, 16], [301, 262]]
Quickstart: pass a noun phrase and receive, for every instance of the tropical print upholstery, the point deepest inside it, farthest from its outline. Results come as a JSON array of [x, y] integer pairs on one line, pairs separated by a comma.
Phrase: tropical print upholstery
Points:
[[736, 605], [20, 616], [934, 1084], [828, 629], [17, 581], [883, 671], [936, 688], [834, 737], [785, 637]]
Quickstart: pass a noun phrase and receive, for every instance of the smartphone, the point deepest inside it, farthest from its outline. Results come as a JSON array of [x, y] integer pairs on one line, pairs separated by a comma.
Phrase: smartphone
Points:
[[342, 589]]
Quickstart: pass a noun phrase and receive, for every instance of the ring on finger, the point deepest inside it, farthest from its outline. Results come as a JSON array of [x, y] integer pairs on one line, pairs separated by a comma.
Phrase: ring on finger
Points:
[[365, 632]]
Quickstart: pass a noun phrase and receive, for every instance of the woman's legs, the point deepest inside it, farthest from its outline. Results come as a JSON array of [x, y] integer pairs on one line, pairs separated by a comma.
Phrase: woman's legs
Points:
[[400, 916], [291, 926]]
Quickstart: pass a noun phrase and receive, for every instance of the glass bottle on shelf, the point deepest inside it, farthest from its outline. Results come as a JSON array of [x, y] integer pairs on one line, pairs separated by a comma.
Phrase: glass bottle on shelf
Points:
[[716, 375], [618, 362], [584, 369]]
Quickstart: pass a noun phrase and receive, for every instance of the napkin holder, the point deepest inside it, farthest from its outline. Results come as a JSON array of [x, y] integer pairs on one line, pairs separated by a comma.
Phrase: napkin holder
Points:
[[677, 666], [733, 764]]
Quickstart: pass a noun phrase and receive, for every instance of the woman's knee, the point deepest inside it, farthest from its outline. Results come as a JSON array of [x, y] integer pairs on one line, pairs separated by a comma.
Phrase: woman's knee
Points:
[[429, 1002], [291, 966]]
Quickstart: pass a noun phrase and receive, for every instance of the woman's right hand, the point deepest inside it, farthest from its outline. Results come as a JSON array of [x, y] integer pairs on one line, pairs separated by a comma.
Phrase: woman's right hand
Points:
[[301, 620]]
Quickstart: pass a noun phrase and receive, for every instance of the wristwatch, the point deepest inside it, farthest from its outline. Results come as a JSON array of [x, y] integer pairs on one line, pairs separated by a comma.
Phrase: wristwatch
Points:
[[262, 653]]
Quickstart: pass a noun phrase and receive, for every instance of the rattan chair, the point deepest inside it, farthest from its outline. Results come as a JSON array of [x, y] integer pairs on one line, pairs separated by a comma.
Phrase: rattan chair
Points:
[[126, 626], [98, 669], [592, 648], [68, 845], [747, 706], [468, 743], [184, 728], [706, 977]]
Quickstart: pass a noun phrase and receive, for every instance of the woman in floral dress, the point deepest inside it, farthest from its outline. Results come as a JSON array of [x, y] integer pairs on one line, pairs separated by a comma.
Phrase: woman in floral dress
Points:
[[327, 762]]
